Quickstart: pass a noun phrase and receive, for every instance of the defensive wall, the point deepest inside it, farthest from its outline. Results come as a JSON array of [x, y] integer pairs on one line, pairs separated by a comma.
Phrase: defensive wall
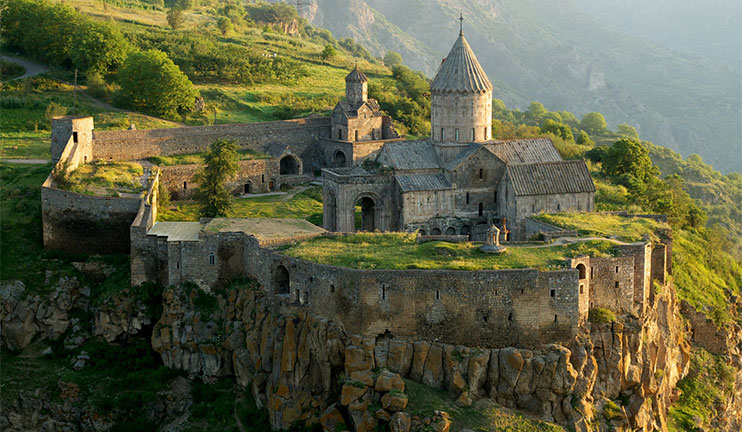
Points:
[[253, 176], [492, 308]]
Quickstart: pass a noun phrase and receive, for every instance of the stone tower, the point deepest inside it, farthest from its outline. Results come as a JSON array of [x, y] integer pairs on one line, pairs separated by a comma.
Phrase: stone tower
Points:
[[356, 87], [461, 97]]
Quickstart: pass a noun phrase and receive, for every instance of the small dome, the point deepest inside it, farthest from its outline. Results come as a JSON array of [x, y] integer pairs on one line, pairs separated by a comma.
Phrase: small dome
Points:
[[460, 71], [356, 76]]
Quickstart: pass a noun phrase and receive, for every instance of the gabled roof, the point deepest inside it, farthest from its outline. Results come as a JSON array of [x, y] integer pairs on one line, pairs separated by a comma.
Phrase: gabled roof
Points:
[[525, 150], [351, 111], [409, 155], [547, 178], [462, 157], [356, 76], [422, 182], [461, 71]]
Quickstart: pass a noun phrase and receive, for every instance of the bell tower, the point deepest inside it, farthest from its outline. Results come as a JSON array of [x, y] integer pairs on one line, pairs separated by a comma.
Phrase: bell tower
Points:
[[356, 87]]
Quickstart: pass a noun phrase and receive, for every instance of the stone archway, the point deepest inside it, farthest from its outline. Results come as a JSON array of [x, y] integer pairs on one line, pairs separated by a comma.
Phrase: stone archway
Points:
[[367, 220], [338, 159], [289, 165], [281, 281], [582, 270], [435, 231], [450, 231]]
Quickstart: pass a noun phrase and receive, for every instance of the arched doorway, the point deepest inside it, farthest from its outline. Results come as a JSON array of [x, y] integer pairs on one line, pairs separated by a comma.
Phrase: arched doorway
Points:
[[581, 269], [435, 231], [365, 214], [248, 188], [450, 231], [338, 160], [465, 230], [281, 283], [289, 165]]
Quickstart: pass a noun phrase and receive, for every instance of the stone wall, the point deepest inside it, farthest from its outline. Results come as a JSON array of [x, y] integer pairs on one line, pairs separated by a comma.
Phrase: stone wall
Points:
[[140, 144], [612, 283], [453, 111], [341, 192], [253, 176]]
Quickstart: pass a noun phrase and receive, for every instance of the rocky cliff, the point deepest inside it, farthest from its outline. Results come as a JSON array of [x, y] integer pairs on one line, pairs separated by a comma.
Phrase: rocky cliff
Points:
[[305, 370]]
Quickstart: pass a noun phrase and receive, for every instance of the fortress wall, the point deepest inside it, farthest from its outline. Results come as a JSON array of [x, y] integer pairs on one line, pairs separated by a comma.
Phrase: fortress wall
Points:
[[642, 254], [145, 257], [488, 308], [258, 173], [140, 144], [612, 283], [80, 223]]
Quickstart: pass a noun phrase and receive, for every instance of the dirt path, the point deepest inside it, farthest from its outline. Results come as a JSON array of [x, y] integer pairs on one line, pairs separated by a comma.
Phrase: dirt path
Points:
[[562, 241], [26, 161], [32, 69]]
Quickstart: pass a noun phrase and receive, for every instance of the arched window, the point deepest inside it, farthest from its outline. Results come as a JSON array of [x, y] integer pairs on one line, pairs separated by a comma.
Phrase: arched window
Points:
[[481, 209], [481, 173], [473, 134], [456, 135], [281, 283], [443, 134], [185, 185], [450, 231], [212, 259], [467, 198], [581, 269], [356, 135]]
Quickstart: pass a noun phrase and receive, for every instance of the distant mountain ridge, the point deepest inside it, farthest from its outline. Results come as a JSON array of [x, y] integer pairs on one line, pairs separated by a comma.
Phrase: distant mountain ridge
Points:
[[534, 50]]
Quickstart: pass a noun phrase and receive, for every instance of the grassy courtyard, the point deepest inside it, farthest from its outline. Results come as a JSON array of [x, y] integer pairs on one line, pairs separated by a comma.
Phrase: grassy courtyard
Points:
[[605, 225], [301, 204], [105, 178], [198, 158], [400, 251]]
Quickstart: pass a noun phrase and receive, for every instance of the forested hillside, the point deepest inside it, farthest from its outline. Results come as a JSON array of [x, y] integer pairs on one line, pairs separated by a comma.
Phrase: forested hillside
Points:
[[553, 53]]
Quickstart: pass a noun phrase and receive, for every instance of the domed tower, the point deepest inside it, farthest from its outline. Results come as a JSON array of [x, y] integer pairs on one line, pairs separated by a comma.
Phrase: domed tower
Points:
[[461, 97], [356, 87]]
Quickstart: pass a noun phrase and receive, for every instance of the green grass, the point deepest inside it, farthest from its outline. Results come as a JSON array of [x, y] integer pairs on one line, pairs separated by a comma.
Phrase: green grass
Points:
[[25, 145], [106, 178], [213, 408], [704, 391], [602, 225], [601, 316], [198, 158], [400, 251], [10, 70], [304, 205], [482, 416]]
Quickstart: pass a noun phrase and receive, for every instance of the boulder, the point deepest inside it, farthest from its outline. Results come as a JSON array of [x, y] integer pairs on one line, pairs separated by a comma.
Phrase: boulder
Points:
[[351, 393], [388, 381], [433, 371], [394, 401], [400, 422], [332, 420]]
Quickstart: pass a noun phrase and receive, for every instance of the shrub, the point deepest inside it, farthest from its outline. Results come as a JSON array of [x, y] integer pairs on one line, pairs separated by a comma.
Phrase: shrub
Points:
[[601, 316]]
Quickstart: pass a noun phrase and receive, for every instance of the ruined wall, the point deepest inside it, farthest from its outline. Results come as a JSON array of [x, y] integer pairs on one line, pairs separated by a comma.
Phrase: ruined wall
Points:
[[80, 223], [533, 204], [253, 176], [140, 144], [418, 207], [612, 283]]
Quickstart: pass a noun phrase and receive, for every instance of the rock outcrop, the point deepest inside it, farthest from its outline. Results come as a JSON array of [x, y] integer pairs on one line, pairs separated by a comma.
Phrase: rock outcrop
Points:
[[307, 370]]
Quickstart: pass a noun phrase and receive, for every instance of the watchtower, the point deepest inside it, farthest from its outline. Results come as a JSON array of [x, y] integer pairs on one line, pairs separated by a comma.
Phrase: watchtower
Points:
[[78, 130], [356, 87]]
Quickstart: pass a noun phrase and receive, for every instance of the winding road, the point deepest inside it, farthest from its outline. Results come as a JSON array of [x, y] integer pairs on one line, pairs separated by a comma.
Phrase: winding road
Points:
[[32, 69]]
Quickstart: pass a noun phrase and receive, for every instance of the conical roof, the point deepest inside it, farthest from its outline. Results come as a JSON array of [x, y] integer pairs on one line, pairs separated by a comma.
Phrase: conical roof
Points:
[[356, 75], [461, 71]]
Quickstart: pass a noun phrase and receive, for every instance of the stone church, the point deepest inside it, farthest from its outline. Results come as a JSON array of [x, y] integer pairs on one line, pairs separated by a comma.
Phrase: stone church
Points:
[[457, 182]]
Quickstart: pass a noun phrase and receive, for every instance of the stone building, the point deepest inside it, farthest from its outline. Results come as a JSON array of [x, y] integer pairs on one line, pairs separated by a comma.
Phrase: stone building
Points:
[[459, 181]]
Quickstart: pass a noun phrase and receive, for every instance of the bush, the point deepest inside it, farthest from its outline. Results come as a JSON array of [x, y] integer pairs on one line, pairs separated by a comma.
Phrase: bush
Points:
[[601, 316]]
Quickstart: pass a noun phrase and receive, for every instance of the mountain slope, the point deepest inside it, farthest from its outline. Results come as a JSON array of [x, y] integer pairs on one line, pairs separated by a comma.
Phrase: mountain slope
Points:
[[552, 52]]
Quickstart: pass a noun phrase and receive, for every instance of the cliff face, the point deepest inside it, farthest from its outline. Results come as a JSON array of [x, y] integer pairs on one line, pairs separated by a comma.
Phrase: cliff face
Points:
[[620, 374]]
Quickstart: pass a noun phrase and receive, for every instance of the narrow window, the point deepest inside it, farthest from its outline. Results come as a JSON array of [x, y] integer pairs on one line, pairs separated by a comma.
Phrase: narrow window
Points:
[[185, 185], [533, 208], [616, 269], [559, 207], [552, 293], [522, 291], [495, 197], [74, 136], [443, 134], [484, 318], [437, 294], [473, 135], [332, 288], [555, 318], [510, 316], [340, 134], [306, 297], [457, 135], [262, 178], [85, 159], [484, 133], [467, 197], [592, 272], [383, 292], [356, 135], [616, 284], [481, 209], [177, 265], [212, 259], [582, 287], [495, 292], [297, 296], [481, 173]]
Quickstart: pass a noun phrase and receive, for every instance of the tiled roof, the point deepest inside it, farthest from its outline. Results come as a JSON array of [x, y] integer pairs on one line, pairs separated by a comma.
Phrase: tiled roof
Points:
[[422, 182], [356, 75], [548, 178], [525, 150], [409, 155], [463, 156], [460, 71], [352, 112]]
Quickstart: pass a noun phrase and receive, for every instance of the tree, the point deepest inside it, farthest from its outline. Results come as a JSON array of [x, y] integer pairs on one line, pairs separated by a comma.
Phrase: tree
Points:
[[627, 131], [151, 82], [225, 25], [535, 113], [629, 164], [392, 58], [594, 123], [558, 129], [220, 166], [329, 52], [584, 139], [98, 48], [175, 17]]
